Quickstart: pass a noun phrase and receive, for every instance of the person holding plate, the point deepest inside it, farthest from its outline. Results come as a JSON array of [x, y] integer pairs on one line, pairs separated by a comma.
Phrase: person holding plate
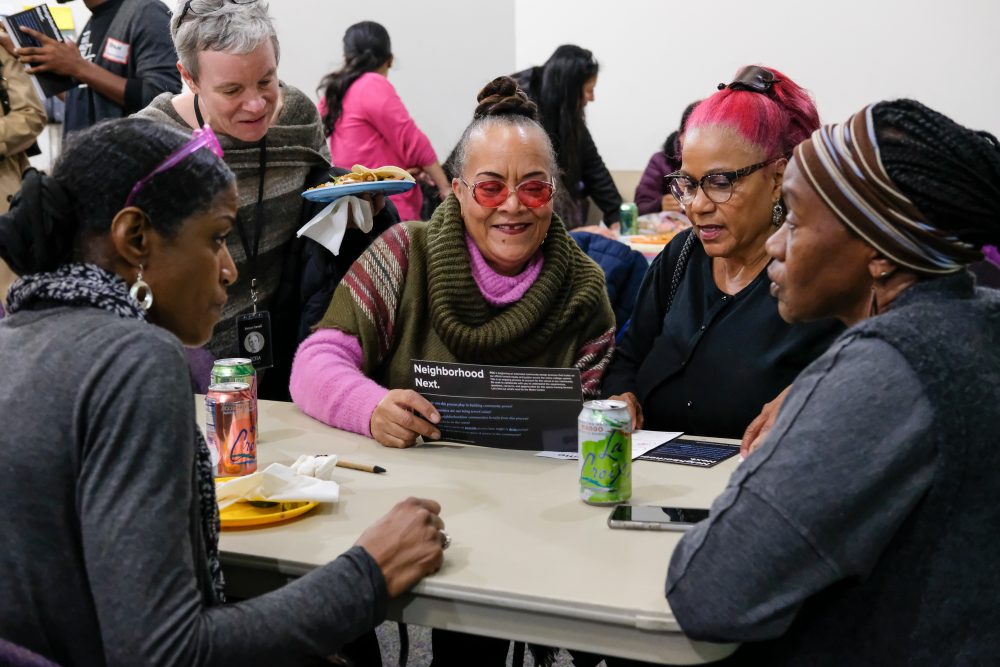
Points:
[[862, 531], [110, 519], [706, 349], [272, 137], [366, 121]]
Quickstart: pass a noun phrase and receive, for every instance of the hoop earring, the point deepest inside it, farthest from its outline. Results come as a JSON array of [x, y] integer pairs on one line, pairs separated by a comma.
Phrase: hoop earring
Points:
[[777, 213], [138, 286]]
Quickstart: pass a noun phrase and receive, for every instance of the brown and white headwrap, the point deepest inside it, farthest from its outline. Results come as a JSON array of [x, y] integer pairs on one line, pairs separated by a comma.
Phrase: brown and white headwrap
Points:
[[843, 163]]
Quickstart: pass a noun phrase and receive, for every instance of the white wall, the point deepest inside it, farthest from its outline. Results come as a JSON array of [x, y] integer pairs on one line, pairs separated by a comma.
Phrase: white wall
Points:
[[445, 50], [656, 56]]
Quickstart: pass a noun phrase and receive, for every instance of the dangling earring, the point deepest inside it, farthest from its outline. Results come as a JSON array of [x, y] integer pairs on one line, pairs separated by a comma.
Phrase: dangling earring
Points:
[[141, 285], [777, 213]]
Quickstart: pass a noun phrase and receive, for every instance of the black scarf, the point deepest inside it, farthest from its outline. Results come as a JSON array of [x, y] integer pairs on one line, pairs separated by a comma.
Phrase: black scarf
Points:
[[90, 285]]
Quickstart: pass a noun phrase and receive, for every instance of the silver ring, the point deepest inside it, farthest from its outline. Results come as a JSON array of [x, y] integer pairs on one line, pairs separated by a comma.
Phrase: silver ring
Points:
[[446, 542]]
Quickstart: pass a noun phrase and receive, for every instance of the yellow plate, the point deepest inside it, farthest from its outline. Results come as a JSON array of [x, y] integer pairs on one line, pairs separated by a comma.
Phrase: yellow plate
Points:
[[243, 514]]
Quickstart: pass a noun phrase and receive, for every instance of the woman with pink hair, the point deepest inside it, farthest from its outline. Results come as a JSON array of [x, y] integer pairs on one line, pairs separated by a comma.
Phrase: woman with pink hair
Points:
[[706, 348]]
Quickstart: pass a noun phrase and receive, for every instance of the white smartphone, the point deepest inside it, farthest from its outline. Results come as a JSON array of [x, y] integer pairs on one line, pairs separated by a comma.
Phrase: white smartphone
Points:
[[654, 517]]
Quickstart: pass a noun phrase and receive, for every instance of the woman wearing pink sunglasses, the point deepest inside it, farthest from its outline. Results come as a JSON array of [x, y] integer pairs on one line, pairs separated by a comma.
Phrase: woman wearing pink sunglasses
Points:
[[493, 278]]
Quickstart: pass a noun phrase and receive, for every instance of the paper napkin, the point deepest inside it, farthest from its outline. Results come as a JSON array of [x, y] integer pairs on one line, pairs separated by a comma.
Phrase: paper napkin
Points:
[[277, 483], [329, 225]]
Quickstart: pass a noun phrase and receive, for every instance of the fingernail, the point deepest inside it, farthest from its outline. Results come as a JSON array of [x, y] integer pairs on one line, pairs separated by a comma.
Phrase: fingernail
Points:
[[436, 435], [435, 417]]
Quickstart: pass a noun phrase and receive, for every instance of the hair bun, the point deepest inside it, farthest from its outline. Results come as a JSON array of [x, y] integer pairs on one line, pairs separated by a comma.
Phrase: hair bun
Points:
[[502, 97], [37, 234]]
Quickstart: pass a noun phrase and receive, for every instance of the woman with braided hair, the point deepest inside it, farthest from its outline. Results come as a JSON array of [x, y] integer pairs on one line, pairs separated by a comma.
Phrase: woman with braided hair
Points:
[[367, 122], [111, 525], [706, 349], [862, 531]]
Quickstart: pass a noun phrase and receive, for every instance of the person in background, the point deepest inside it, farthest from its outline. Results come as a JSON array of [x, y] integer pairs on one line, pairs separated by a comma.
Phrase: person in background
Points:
[[366, 121], [124, 59], [492, 278], [862, 531], [653, 193], [706, 349], [273, 138], [22, 121], [562, 88], [111, 530]]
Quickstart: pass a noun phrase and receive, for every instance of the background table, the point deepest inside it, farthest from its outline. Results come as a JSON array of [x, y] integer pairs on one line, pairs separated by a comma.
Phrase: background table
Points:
[[528, 559]]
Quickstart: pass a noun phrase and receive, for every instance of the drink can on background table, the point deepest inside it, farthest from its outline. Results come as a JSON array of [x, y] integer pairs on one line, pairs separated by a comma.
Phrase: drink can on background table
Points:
[[237, 369], [231, 428], [628, 222], [605, 437]]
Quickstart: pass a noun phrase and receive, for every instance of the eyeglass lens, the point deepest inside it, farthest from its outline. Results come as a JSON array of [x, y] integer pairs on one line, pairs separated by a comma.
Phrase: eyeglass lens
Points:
[[492, 194], [717, 187]]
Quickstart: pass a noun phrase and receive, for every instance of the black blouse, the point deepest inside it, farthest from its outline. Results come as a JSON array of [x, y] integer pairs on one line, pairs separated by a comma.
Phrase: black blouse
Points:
[[708, 366]]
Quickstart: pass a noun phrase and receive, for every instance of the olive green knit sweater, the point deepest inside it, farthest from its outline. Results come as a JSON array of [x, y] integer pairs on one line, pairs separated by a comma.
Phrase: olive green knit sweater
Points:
[[411, 295]]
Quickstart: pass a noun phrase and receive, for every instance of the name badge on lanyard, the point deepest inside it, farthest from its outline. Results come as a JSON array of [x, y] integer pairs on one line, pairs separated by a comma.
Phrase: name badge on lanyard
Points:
[[253, 330]]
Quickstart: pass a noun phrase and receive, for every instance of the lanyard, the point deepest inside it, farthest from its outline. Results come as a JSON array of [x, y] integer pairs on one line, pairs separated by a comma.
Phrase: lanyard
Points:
[[251, 252]]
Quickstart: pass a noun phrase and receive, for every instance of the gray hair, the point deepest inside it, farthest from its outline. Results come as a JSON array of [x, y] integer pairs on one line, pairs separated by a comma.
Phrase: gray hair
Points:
[[214, 25], [505, 120]]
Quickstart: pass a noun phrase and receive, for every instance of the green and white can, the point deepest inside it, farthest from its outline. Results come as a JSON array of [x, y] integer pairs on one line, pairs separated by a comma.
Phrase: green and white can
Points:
[[605, 439]]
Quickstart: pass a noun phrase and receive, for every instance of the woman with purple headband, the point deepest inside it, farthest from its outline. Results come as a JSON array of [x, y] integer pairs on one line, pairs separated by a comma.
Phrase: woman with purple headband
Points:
[[862, 531]]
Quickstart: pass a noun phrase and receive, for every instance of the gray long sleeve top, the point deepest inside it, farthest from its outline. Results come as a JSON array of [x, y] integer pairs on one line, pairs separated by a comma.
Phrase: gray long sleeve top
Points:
[[102, 551], [793, 520]]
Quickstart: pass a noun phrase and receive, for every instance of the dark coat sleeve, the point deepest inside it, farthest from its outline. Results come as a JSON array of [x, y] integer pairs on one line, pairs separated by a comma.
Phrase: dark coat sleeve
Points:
[[649, 193], [597, 181], [155, 59]]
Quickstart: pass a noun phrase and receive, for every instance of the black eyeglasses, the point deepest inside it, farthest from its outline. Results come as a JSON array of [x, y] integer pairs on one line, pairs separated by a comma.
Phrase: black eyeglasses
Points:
[[215, 6], [717, 186]]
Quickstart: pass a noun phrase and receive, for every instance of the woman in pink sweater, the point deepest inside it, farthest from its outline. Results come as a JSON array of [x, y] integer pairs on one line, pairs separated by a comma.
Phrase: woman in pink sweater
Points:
[[367, 122]]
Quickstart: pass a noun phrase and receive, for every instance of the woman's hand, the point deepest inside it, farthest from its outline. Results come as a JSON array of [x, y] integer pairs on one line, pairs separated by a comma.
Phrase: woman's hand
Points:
[[634, 407], [397, 419], [407, 543], [670, 203], [761, 425]]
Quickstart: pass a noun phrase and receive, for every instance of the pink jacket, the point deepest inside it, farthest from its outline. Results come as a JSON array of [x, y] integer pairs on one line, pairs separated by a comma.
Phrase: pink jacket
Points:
[[374, 129]]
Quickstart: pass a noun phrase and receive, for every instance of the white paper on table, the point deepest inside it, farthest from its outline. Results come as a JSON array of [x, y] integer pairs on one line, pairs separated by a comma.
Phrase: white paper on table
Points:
[[276, 483], [642, 442], [329, 225]]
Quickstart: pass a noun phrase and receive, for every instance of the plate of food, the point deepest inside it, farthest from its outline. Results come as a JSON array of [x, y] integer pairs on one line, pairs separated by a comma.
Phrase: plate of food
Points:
[[387, 180], [246, 513]]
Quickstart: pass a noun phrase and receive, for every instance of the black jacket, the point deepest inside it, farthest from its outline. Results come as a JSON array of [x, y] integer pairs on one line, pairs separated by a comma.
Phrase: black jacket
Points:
[[709, 364], [309, 277]]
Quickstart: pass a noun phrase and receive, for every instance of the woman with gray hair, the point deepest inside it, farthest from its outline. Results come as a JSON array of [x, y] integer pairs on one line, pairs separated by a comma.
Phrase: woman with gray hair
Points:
[[273, 141]]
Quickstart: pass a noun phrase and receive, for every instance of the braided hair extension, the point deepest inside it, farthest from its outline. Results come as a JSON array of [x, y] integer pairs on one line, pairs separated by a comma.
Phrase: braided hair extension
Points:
[[366, 48], [951, 173]]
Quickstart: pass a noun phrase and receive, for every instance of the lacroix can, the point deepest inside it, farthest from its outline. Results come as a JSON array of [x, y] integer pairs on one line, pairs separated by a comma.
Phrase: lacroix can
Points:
[[605, 438], [231, 428]]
